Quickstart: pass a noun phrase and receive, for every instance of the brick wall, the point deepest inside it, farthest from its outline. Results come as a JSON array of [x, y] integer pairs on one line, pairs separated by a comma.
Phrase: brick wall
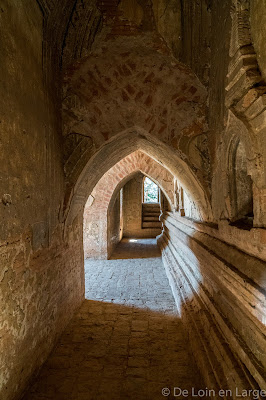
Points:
[[96, 209], [219, 291], [41, 271]]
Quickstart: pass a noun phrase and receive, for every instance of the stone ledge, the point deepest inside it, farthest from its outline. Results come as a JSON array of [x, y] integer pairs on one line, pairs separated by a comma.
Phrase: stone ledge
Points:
[[251, 242], [212, 354], [228, 283]]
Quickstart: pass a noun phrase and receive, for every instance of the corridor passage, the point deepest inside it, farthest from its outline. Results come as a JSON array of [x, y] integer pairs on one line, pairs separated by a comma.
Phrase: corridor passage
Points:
[[126, 341]]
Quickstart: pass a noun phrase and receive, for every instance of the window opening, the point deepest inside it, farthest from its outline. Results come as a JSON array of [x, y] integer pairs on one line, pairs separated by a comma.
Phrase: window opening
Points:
[[150, 191]]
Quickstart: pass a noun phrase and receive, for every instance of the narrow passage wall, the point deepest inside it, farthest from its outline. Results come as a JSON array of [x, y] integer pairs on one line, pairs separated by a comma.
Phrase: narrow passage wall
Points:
[[41, 274], [220, 293]]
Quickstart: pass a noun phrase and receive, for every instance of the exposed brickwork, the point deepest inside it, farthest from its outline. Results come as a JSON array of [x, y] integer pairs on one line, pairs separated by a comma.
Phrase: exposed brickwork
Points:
[[115, 18], [95, 215], [86, 83], [38, 269], [122, 86], [194, 260], [126, 341], [134, 87], [36, 290], [245, 94]]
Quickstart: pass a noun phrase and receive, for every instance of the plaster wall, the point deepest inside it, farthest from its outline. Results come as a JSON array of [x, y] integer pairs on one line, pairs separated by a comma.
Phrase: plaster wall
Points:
[[152, 102], [114, 224], [41, 281], [132, 206]]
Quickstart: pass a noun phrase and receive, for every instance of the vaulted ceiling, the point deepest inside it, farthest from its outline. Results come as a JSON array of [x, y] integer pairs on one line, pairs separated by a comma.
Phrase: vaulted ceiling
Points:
[[127, 64]]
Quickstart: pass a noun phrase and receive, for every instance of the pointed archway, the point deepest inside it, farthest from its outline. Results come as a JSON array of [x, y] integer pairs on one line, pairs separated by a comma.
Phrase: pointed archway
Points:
[[96, 210], [120, 147]]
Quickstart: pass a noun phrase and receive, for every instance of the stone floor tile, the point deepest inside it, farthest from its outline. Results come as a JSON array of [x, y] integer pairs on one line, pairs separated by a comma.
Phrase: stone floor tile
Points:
[[126, 342]]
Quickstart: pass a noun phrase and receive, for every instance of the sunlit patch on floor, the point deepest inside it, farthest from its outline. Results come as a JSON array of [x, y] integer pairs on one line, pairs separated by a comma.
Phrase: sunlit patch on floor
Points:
[[127, 340]]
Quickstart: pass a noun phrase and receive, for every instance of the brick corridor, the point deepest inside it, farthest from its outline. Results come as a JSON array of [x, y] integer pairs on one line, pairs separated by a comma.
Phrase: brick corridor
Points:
[[126, 341]]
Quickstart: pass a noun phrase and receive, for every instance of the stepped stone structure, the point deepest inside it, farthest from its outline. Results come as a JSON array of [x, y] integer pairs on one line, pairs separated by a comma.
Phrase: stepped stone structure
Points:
[[96, 96]]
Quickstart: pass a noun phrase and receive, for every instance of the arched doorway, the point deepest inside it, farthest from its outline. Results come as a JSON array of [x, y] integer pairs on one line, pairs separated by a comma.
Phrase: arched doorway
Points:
[[104, 205]]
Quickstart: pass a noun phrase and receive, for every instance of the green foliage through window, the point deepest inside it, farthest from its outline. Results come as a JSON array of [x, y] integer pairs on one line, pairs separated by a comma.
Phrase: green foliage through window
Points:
[[151, 191]]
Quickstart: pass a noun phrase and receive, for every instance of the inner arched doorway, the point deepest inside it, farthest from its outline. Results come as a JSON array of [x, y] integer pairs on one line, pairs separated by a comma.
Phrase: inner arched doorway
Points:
[[104, 203], [127, 289], [105, 195]]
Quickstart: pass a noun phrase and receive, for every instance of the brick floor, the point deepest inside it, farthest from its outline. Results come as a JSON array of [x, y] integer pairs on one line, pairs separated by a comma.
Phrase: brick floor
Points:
[[126, 341]]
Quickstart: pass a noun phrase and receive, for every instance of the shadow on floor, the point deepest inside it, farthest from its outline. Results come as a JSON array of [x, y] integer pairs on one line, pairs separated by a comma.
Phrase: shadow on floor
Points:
[[113, 352], [136, 248], [127, 341]]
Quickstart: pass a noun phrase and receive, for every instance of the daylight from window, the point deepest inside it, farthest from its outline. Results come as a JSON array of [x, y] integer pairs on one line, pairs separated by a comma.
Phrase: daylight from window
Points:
[[151, 191]]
